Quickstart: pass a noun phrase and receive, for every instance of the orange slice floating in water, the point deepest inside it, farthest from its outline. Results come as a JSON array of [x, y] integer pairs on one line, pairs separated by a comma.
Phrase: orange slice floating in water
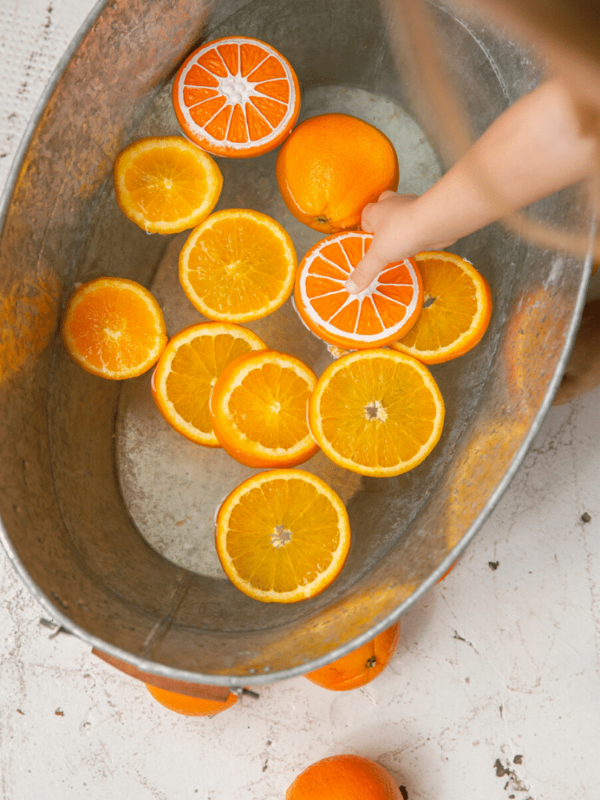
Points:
[[259, 410], [238, 265], [236, 97], [379, 315], [376, 412], [114, 328], [188, 369], [166, 184], [457, 306], [282, 536]]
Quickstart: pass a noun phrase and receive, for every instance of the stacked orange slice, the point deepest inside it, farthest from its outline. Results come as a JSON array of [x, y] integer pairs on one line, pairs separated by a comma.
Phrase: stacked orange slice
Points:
[[457, 306], [236, 97], [259, 410], [188, 369], [379, 315]]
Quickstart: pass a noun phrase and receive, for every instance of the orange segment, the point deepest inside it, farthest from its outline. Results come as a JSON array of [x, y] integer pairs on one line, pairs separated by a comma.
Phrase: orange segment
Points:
[[166, 184], [257, 103], [188, 369], [189, 706], [282, 536], [373, 318], [456, 312], [376, 412], [259, 410], [114, 328], [360, 666], [238, 265]]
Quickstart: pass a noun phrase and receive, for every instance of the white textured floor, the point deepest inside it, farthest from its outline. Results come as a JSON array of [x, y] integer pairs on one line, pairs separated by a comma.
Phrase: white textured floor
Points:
[[494, 691]]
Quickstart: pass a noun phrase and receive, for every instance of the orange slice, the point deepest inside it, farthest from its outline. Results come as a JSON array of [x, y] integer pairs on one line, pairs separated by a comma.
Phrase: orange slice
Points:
[[259, 410], [375, 317], [282, 536], [457, 306], [114, 328], [166, 185], [236, 97], [188, 369], [189, 706], [376, 412], [238, 265], [360, 666]]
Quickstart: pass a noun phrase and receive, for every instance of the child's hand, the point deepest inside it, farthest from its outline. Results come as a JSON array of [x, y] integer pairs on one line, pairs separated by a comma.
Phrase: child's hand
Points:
[[392, 221]]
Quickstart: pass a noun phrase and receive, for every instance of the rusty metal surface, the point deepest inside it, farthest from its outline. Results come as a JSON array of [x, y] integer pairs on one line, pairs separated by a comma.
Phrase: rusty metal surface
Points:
[[66, 523]]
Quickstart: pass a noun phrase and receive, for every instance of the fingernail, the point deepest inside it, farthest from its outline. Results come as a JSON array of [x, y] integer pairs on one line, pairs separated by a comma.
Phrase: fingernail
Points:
[[351, 287]]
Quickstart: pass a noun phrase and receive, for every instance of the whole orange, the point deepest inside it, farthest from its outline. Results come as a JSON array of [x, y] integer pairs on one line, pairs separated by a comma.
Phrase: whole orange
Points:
[[190, 706], [361, 666], [331, 166], [344, 778]]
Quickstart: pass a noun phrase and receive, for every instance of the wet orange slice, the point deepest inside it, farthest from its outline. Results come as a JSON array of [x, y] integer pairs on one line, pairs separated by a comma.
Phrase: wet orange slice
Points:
[[237, 266], [457, 306], [282, 536], [376, 412], [259, 409], [377, 316], [166, 184], [114, 328], [236, 97], [188, 369]]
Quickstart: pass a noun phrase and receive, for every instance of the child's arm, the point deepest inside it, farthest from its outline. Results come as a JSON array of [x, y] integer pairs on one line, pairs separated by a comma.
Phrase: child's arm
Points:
[[533, 149]]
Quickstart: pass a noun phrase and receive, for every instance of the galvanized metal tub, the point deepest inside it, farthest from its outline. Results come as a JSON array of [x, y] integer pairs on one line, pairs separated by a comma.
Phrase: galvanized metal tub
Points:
[[95, 488]]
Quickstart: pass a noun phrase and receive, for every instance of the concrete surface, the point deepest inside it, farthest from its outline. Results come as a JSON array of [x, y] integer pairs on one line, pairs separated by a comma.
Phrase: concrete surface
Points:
[[493, 693]]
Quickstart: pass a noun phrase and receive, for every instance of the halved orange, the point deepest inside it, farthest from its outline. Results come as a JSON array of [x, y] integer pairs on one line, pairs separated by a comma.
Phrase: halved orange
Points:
[[190, 706], [376, 412], [282, 536], [457, 306], [259, 407], [114, 328], [236, 97], [188, 369], [379, 315], [360, 666], [238, 265], [166, 184]]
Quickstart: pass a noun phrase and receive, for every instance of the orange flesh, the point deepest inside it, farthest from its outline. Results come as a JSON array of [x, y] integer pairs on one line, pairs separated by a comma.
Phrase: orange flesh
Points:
[[112, 328]]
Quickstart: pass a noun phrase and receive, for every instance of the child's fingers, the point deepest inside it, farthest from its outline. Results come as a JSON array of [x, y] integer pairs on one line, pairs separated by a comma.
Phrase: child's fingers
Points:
[[367, 269]]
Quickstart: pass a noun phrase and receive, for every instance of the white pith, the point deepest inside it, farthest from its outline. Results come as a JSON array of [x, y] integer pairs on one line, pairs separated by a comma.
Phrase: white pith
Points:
[[372, 289], [237, 90]]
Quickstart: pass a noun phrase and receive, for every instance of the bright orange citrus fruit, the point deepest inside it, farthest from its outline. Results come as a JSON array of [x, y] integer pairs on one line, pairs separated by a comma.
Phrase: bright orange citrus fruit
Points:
[[376, 412], [114, 328], [375, 317], [188, 369], [238, 265], [457, 306], [166, 184], [259, 410], [282, 536], [360, 666], [344, 777], [331, 167], [236, 97], [189, 706]]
